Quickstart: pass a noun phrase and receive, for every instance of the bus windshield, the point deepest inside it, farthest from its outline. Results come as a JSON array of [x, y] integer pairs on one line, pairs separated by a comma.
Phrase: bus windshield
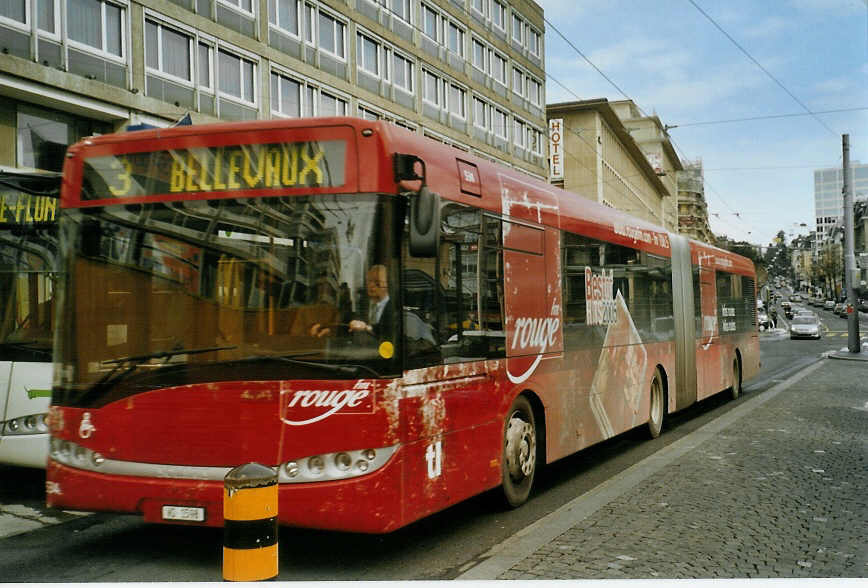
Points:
[[28, 255], [173, 293]]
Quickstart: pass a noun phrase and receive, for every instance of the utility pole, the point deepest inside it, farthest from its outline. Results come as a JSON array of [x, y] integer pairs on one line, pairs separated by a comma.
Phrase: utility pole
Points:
[[853, 343]]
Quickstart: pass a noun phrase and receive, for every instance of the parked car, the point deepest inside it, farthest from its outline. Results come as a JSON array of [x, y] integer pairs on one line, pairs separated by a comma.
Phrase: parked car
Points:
[[805, 327], [829, 305]]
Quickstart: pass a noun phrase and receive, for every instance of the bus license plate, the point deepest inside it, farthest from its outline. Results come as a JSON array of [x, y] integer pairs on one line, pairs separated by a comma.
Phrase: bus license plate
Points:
[[184, 513]]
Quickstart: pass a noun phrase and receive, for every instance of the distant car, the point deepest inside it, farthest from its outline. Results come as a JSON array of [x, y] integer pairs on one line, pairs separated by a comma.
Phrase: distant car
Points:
[[795, 298], [805, 327], [762, 320], [804, 312], [786, 304], [842, 311], [839, 306], [829, 305]]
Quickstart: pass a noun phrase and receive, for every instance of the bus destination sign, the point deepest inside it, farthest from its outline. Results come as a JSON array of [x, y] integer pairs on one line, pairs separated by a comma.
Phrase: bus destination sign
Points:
[[215, 169], [21, 208]]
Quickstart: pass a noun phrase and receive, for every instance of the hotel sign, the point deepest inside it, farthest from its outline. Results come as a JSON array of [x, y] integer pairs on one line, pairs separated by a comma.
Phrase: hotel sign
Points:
[[556, 149]]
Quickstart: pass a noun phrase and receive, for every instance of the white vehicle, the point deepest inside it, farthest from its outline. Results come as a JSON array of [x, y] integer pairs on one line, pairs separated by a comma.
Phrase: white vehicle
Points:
[[28, 254]]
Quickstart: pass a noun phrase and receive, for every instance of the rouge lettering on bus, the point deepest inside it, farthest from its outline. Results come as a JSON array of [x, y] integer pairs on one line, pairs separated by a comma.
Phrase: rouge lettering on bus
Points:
[[215, 169], [311, 402]]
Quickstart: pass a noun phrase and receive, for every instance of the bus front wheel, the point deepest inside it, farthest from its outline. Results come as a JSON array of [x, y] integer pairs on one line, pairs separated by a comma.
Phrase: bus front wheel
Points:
[[519, 452]]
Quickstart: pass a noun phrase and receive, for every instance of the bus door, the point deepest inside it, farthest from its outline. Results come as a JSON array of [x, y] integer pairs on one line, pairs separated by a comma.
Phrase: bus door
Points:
[[708, 335]]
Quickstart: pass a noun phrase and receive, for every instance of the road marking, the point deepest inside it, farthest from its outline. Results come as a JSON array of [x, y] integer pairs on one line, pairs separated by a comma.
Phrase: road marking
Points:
[[511, 551]]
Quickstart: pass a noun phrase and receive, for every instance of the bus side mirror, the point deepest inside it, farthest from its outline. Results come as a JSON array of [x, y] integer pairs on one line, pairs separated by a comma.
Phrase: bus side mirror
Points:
[[424, 223]]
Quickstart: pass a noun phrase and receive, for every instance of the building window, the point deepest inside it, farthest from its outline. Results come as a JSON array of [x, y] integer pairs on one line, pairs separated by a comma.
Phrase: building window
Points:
[[498, 67], [534, 91], [479, 56], [285, 95], [331, 32], [368, 55], [500, 122], [457, 101], [205, 65], [431, 23], [498, 14], [237, 76], [402, 72], [431, 89], [14, 10], [96, 24], [245, 6], [517, 81], [481, 114], [401, 9], [455, 39], [330, 105], [168, 51], [517, 29], [284, 15], [533, 42]]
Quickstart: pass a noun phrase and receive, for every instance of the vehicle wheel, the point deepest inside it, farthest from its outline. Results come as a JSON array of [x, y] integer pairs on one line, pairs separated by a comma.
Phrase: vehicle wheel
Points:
[[736, 378], [657, 410], [519, 452]]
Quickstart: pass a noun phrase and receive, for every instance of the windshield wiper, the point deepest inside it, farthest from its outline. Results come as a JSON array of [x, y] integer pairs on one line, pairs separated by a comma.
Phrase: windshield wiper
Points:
[[348, 369], [113, 375]]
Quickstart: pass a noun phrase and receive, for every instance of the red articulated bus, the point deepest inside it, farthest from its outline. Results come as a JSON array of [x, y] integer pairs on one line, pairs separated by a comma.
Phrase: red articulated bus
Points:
[[391, 324]]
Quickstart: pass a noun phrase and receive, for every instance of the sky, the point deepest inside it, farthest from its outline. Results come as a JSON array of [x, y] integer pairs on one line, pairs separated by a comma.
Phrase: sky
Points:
[[674, 62]]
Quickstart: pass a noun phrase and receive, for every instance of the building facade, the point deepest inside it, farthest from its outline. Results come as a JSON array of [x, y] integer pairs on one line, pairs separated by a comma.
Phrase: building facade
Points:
[[469, 73], [649, 132], [692, 207], [601, 160], [829, 199]]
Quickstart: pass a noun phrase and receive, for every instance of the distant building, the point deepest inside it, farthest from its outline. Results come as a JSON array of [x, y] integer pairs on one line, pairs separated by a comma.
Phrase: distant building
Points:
[[650, 134], [469, 73], [692, 207], [829, 198], [594, 155]]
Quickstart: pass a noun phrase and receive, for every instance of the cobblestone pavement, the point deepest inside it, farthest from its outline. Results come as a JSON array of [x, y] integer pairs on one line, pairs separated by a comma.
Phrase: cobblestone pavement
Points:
[[780, 493]]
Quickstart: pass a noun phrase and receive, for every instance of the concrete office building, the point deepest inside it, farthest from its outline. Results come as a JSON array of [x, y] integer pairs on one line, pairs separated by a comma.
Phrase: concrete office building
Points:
[[465, 72], [829, 199]]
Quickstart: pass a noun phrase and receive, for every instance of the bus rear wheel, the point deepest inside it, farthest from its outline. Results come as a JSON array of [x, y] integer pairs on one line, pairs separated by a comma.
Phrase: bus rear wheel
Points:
[[736, 378], [657, 410], [519, 452]]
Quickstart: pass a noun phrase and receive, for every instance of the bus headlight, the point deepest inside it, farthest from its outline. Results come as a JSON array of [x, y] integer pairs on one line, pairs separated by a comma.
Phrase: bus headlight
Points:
[[31, 424], [74, 455], [334, 466]]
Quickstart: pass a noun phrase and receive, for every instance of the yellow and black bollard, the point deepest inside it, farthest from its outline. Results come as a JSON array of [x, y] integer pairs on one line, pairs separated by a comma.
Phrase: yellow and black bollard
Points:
[[250, 523]]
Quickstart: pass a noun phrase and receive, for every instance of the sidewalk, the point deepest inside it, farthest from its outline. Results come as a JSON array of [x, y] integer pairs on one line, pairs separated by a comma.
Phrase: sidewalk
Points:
[[775, 488]]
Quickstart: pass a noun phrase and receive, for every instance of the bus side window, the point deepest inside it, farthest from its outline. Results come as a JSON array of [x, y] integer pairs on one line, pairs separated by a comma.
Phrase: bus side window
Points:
[[463, 286]]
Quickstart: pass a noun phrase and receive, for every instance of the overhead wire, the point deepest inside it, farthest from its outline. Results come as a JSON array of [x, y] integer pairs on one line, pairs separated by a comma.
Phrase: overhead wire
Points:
[[759, 65]]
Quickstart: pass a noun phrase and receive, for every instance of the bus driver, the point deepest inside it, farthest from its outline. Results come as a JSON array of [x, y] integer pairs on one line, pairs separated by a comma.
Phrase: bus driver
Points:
[[380, 317]]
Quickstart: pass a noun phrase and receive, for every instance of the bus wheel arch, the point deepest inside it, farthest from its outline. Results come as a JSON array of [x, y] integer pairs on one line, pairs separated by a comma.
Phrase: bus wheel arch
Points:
[[737, 375], [658, 402], [523, 448]]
